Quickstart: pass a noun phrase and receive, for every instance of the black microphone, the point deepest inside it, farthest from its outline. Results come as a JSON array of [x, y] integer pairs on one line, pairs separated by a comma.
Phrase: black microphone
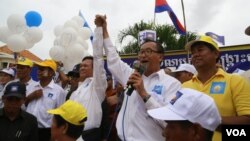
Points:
[[140, 68]]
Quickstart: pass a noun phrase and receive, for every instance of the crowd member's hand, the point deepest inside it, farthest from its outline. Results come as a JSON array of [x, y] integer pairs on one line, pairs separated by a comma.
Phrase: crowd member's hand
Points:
[[59, 66], [34, 95], [100, 21]]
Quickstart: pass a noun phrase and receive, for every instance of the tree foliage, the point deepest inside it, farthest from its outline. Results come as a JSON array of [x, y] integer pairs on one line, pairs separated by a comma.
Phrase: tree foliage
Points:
[[166, 34]]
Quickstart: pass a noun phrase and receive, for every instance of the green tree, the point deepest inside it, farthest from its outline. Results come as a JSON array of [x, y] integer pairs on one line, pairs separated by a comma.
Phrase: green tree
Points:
[[166, 34]]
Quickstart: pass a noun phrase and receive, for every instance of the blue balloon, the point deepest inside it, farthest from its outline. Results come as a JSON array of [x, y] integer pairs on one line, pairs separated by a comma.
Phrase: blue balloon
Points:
[[33, 18]]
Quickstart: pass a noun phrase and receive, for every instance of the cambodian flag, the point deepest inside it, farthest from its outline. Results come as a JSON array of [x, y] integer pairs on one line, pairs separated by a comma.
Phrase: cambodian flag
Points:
[[161, 6]]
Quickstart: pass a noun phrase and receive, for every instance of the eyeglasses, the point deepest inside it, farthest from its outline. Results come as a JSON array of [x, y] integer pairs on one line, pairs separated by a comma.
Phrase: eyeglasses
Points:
[[147, 52]]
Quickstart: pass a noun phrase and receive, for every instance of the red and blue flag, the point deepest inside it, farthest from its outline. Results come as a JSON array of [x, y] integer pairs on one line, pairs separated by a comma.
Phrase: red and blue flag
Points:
[[161, 6]]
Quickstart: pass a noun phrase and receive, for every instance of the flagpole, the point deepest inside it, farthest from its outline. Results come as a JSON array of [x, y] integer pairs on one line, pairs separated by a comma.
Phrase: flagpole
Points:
[[185, 26], [154, 18], [184, 19]]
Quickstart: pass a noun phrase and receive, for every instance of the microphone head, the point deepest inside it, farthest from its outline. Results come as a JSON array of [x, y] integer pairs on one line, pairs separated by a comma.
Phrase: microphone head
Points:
[[138, 66]]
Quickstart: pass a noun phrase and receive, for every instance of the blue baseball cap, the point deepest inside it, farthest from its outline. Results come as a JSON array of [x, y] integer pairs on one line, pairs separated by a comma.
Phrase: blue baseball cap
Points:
[[15, 89]]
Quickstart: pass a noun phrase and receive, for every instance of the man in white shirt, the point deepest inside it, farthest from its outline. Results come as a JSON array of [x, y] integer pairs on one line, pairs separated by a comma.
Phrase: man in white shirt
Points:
[[52, 97], [91, 91], [23, 71], [153, 88]]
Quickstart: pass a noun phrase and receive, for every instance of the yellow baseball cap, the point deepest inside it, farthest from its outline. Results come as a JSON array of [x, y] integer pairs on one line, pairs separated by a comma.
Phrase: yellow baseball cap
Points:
[[72, 112], [202, 38], [48, 63], [24, 61]]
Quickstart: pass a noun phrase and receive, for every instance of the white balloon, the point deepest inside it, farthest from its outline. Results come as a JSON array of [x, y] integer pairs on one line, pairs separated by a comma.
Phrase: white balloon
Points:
[[57, 41], [79, 20], [82, 42], [84, 33], [68, 37], [57, 53], [69, 63], [16, 23], [4, 33], [29, 45], [16, 43], [71, 24], [76, 52], [58, 30], [33, 35]]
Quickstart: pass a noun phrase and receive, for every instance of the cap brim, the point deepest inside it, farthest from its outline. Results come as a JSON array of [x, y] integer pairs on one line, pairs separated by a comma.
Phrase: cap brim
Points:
[[14, 95], [55, 111], [24, 64], [178, 70], [164, 113], [41, 64], [247, 31], [6, 72]]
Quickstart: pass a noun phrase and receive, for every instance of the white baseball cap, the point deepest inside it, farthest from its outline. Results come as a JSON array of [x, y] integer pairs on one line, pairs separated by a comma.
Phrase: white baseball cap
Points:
[[190, 105], [9, 71], [186, 67]]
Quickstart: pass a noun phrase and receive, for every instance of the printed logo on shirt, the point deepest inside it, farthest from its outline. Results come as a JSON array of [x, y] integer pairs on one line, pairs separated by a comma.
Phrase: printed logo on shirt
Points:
[[158, 89], [86, 85], [177, 96], [50, 95], [217, 88]]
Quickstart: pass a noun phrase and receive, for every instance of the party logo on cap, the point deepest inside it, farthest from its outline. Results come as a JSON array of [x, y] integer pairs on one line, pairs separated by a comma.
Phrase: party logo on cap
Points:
[[14, 88], [21, 59], [177, 96]]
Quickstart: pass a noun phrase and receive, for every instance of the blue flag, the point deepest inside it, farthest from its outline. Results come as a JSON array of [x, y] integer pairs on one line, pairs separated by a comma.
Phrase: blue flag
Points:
[[216, 37], [85, 24]]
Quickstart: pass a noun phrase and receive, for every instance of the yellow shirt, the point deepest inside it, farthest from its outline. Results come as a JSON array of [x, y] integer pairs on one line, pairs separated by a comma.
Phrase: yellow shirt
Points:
[[230, 92]]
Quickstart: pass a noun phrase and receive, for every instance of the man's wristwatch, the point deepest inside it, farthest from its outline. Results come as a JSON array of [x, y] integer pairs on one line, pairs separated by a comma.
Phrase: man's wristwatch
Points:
[[145, 99]]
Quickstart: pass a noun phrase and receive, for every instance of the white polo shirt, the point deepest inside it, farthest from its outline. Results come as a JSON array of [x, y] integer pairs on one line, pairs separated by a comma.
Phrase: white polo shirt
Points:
[[31, 86], [53, 97]]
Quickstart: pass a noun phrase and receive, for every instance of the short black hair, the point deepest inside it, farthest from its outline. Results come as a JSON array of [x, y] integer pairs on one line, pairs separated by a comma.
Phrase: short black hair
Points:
[[210, 46], [186, 123], [159, 47], [88, 58], [73, 131]]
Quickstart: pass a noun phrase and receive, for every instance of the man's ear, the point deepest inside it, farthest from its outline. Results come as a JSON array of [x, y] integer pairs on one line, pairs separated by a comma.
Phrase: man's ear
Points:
[[65, 128], [197, 131], [217, 53]]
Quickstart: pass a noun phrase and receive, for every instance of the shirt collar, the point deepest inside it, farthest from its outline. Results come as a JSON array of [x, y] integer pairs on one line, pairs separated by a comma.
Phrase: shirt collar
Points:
[[220, 72], [157, 74]]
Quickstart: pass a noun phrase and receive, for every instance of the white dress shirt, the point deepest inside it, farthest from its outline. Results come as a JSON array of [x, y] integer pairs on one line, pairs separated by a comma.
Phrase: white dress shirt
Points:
[[136, 124], [91, 92]]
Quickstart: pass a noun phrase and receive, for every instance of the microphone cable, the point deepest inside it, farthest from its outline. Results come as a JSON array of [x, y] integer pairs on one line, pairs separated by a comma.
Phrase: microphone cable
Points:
[[124, 139]]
